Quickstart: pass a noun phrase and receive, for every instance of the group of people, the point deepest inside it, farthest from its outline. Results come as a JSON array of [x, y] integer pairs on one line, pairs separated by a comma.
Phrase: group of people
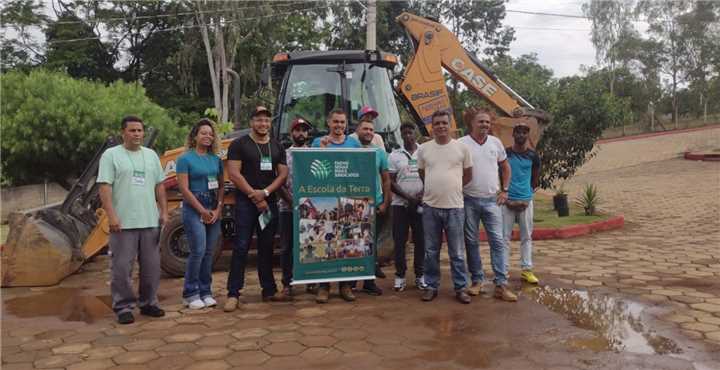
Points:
[[441, 187]]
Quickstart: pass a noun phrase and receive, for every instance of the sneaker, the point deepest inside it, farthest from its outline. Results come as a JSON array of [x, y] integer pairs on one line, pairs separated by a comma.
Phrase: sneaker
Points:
[[194, 304], [231, 304], [475, 288], [369, 287], [152, 311], [125, 318], [277, 297], [346, 293], [463, 297], [528, 276], [399, 285], [322, 295], [420, 283], [209, 301], [429, 295], [287, 291], [503, 293]]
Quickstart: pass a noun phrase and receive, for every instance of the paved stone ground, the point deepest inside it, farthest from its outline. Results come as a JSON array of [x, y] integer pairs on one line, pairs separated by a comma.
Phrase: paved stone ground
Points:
[[657, 278]]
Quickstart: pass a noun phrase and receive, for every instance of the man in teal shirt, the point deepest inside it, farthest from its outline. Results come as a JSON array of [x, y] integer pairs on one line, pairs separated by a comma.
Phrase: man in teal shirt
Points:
[[365, 132], [134, 200]]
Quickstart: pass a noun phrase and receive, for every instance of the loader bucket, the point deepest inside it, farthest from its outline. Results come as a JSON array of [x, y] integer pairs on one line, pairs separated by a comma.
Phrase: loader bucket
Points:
[[42, 248]]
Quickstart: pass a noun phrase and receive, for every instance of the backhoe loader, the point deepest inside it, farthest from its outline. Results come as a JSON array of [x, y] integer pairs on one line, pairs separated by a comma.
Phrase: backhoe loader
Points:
[[46, 245]]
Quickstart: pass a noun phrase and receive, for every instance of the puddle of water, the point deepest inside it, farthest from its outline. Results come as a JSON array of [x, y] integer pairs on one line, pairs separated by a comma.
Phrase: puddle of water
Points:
[[616, 322], [67, 304]]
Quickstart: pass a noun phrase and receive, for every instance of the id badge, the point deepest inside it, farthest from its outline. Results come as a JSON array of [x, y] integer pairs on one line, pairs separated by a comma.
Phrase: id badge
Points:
[[265, 164], [138, 178], [413, 165], [212, 183]]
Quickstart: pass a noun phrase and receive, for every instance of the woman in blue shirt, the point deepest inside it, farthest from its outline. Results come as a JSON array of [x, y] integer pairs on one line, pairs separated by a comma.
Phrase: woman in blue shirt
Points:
[[200, 178]]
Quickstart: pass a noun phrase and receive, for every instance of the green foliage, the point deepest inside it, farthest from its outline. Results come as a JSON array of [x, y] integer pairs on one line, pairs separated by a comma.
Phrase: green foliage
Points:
[[583, 109], [588, 200], [53, 124], [84, 59]]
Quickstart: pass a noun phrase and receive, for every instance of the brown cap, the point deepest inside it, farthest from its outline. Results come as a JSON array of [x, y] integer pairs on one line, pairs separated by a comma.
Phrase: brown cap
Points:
[[298, 122], [260, 110]]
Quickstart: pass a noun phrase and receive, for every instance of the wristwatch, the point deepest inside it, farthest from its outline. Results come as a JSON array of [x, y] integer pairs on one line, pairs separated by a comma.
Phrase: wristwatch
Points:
[[267, 193], [504, 190]]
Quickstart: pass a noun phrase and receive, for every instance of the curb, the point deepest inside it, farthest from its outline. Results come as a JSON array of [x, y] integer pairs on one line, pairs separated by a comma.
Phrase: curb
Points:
[[572, 231], [708, 157]]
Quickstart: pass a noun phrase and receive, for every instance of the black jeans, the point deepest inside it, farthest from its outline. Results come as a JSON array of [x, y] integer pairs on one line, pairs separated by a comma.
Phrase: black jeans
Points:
[[246, 222], [404, 219], [286, 241]]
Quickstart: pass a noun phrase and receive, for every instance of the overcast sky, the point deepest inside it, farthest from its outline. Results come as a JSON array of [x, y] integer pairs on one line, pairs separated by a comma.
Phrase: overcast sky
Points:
[[562, 44]]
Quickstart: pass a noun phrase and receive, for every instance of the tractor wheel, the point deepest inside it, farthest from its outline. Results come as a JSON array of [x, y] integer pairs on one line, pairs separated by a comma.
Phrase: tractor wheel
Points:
[[175, 248]]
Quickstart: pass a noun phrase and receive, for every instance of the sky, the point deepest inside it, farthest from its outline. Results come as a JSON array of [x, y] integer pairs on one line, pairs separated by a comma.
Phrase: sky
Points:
[[562, 44]]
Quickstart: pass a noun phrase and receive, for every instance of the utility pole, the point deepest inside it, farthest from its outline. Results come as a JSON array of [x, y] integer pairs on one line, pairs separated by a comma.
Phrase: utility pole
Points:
[[370, 43]]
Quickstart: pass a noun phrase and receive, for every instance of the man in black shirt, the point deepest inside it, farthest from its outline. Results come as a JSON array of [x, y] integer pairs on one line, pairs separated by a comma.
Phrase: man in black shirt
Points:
[[257, 166]]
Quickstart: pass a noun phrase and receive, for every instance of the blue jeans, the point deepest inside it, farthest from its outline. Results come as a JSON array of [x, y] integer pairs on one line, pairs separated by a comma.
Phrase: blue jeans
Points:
[[246, 222], [435, 221], [487, 211], [202, 240]]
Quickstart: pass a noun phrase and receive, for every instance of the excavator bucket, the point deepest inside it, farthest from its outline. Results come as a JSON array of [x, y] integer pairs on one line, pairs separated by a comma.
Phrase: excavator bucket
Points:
[[46, 244], [42, 248], [503, 128]]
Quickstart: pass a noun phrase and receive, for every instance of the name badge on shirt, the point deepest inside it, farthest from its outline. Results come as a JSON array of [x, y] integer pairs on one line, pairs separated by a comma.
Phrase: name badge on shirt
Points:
[[265, 163], [138, 178], [212, 183], [413, 165]]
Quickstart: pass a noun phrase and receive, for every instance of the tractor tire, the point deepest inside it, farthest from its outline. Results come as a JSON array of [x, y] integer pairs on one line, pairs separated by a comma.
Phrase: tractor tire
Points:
[[174, 246]]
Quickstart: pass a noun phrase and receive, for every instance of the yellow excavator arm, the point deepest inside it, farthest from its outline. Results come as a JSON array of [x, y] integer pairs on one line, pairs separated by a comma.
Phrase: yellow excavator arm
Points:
[[423, 84]]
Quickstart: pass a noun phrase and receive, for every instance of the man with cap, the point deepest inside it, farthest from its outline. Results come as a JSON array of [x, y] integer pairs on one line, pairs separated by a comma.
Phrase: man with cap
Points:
[[258, 168], [299, 132], [525, 175], [365, 113]]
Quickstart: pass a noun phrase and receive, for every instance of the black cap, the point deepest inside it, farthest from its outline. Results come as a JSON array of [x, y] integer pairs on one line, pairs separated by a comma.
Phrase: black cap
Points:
[[260, 110]]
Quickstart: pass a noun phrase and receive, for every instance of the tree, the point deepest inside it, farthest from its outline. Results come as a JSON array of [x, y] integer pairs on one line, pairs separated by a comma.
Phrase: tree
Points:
[[18, 20], [611, 27], [53, 124], [87, 58], [583, 109]]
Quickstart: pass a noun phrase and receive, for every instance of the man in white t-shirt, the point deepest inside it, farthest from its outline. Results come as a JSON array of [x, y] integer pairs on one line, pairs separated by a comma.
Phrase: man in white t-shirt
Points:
[[483, 197], [445, 166]]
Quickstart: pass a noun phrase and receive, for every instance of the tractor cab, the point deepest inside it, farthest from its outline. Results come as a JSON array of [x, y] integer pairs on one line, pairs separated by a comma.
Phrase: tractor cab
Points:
[[312, 83]]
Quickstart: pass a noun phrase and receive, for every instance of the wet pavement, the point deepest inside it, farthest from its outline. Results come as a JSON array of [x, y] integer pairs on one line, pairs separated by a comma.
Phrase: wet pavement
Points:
[[645, 297]]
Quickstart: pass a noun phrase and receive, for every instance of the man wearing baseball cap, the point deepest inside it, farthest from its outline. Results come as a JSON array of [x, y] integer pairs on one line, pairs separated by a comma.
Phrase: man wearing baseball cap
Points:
[[257, 166], [524, 178], [299, 132], [367, 112]]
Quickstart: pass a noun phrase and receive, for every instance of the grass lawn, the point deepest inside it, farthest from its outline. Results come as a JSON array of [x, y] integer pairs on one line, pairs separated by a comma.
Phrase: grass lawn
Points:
[[545, 216], [3, 232]]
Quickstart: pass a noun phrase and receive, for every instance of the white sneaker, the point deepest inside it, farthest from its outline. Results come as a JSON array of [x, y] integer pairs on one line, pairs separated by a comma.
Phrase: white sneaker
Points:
[[399, 284], [209, 301], [195, 304], [420, 283]]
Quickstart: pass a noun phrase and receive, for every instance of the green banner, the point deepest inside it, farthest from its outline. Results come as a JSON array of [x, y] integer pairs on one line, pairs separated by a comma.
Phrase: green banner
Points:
[[333, 214]]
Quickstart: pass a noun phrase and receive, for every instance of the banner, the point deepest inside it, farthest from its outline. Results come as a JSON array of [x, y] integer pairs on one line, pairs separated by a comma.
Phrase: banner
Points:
[[333, 214]]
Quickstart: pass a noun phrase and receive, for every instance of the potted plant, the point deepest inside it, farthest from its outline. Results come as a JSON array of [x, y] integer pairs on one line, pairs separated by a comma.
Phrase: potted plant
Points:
[[588, 200], [560, 202]]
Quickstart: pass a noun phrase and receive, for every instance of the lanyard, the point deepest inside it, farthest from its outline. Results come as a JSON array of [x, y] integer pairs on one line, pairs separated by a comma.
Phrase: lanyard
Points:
[[142, 156], [207, 162], [260, 151]]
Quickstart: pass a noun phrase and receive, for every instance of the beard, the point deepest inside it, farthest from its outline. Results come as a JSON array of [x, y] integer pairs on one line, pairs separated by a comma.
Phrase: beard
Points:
[[299, 141]]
